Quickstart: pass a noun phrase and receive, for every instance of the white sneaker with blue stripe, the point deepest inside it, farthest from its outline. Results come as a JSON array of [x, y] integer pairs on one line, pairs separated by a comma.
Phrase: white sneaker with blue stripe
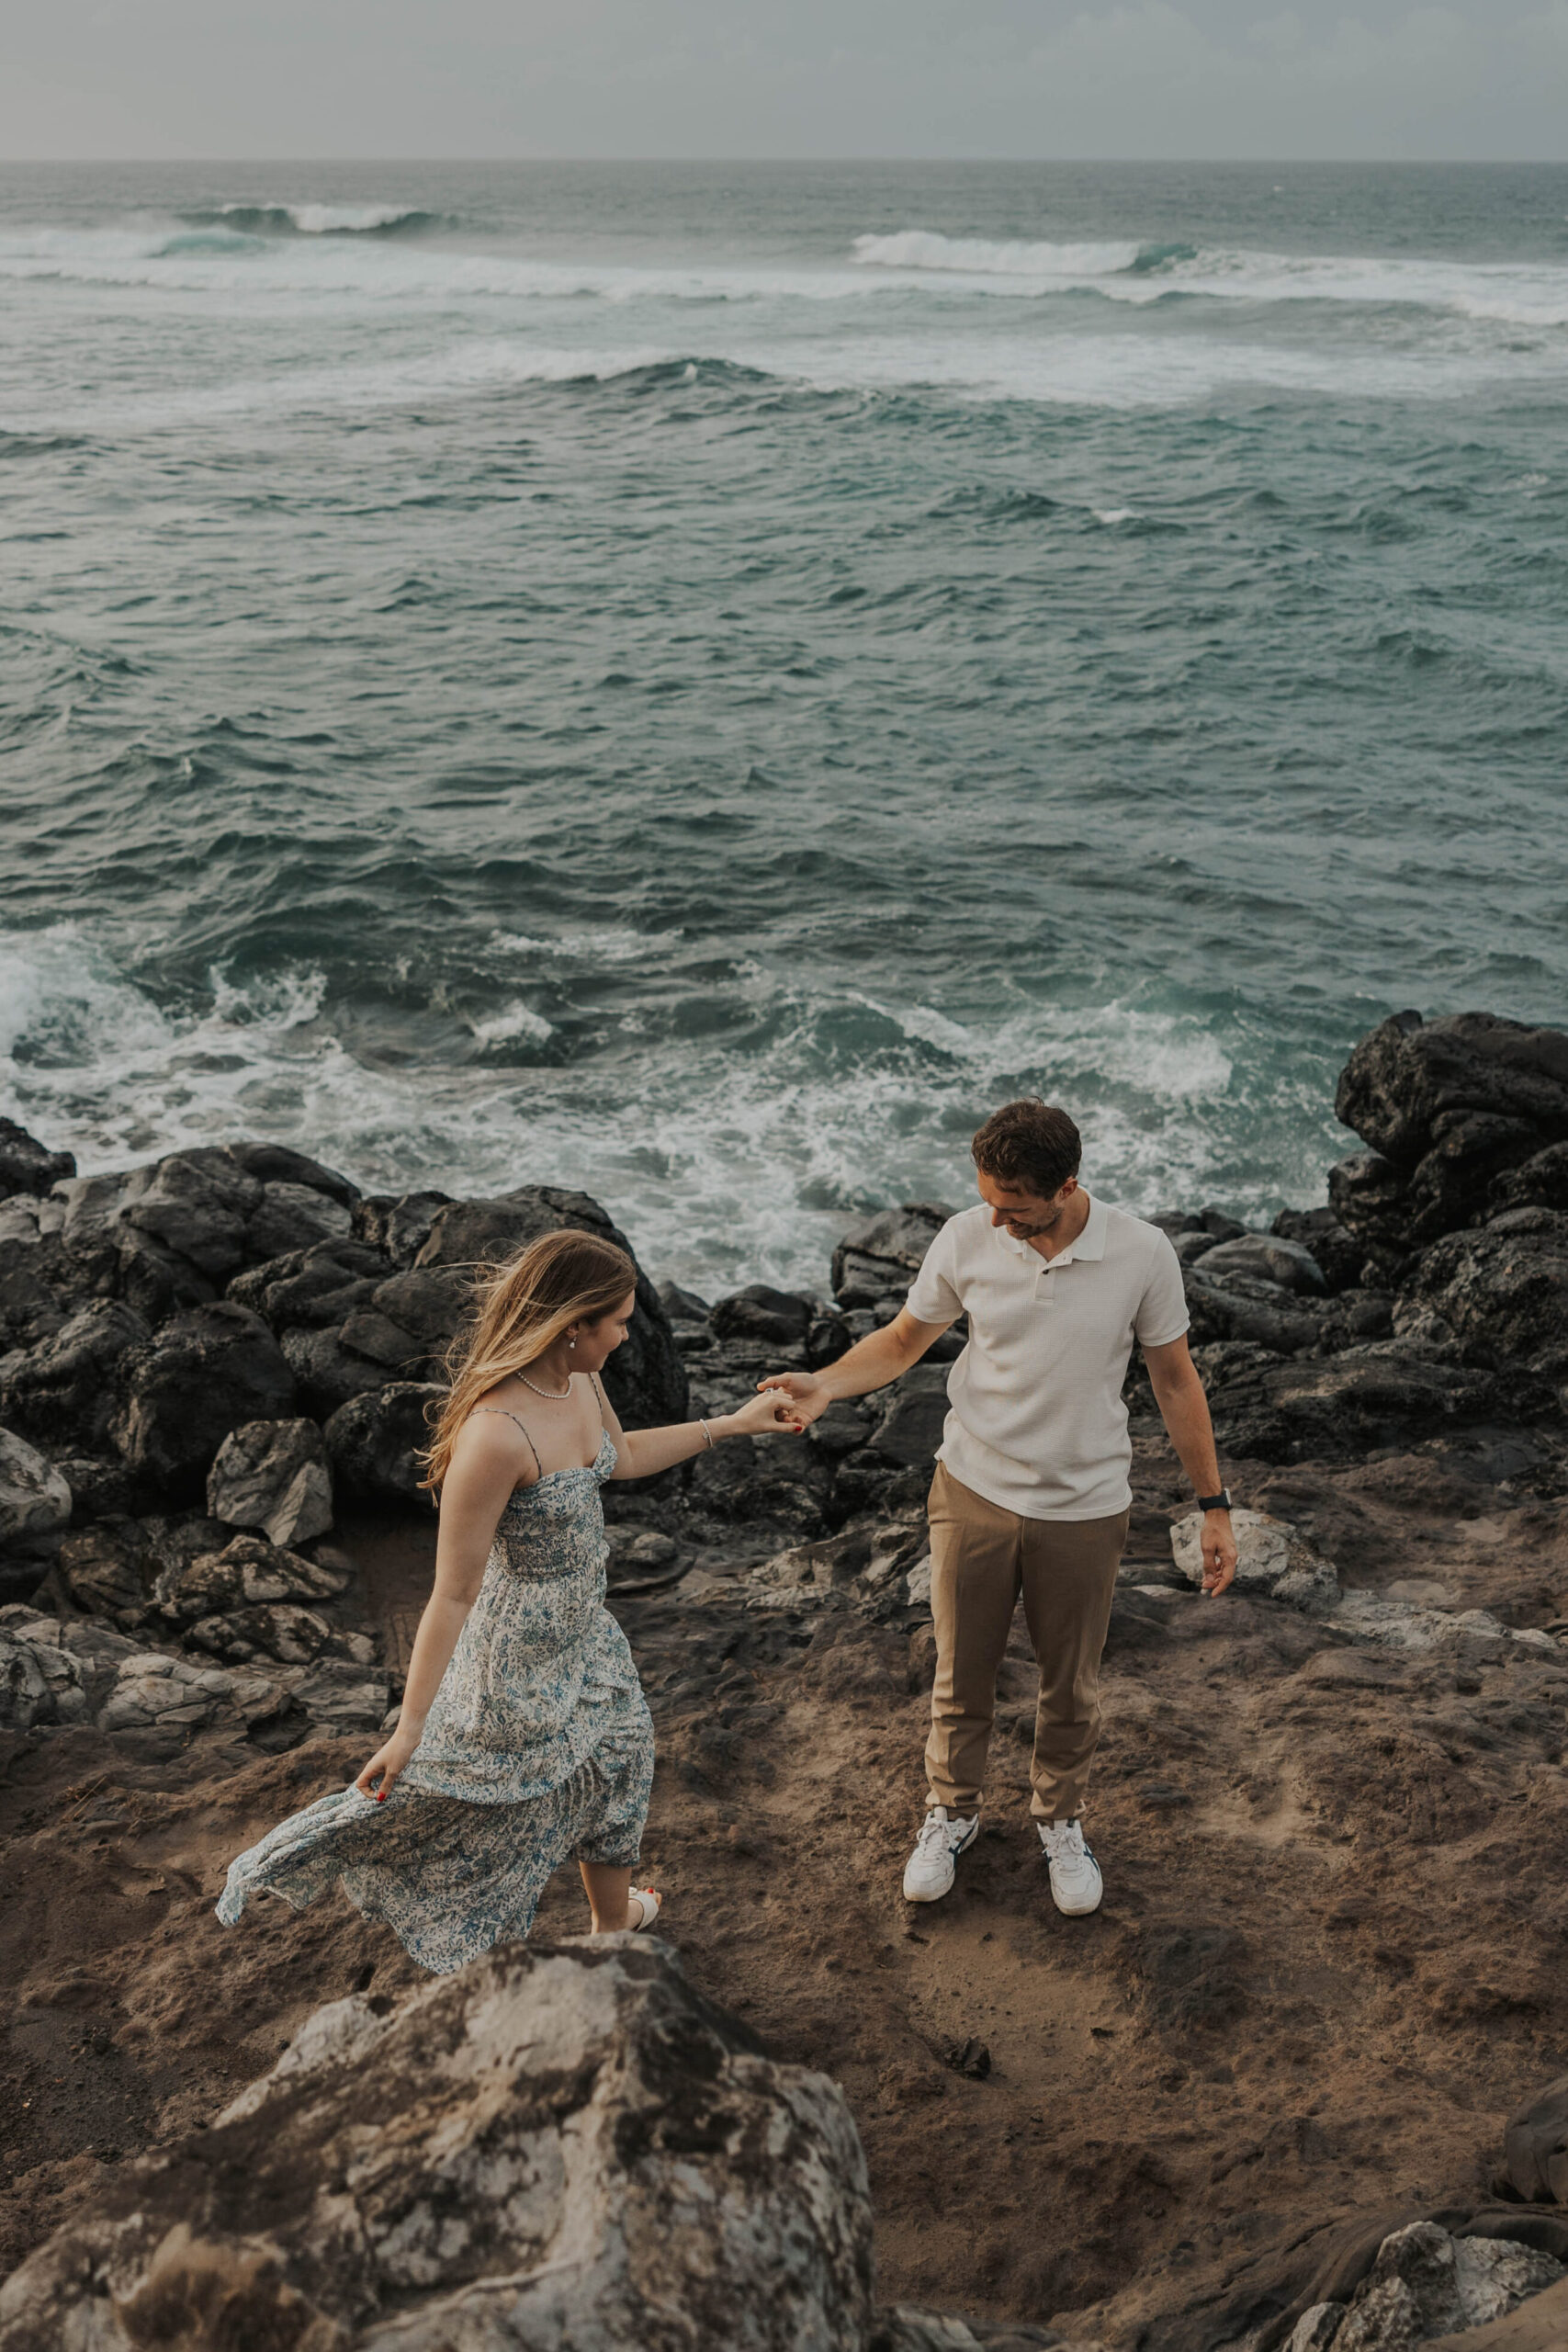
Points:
[[1075, 1884], [944, 1836]]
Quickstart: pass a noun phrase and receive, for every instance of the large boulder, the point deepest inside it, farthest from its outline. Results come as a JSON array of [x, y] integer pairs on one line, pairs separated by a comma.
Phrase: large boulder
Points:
[[1380, 1392], [27, 1165], [1404, 1077], [1426, 2284], [206, 1372], [249, 1573], [274, 1476], [1503, 1288], [645, 1379], [40, 1683], [35, 1501], [559, 2150], [910, 1428], [777, 1318], [1245, 1306], [64, 1390], [375, 1441], [1267, 1258], [879, 1258], [1272, 1559]]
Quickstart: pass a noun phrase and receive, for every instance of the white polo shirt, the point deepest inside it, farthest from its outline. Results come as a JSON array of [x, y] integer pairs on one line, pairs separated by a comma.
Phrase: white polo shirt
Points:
[[1037, 1422]]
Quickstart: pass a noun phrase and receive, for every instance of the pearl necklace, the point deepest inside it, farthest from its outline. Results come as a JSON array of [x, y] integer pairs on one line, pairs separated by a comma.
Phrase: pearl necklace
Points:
[[555, 1396]]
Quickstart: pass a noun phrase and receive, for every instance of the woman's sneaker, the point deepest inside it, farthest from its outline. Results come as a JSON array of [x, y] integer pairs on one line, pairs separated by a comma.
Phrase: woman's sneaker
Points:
[[1076, 1884], [943, 1839]]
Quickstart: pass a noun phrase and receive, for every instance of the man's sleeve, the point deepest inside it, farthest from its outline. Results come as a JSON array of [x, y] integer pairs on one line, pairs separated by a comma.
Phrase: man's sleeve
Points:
[[1162, 1311], [933, 1297]]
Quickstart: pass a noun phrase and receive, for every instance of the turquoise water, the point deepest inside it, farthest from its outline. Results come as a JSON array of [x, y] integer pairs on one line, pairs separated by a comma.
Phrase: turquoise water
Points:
[[698, 681]]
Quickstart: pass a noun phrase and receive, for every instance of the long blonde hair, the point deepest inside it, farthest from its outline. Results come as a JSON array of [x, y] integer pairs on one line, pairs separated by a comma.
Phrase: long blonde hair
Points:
[[521, 1309]]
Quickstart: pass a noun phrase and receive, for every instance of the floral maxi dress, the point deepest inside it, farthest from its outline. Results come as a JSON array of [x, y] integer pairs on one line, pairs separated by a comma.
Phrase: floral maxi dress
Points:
[[538, 1746]]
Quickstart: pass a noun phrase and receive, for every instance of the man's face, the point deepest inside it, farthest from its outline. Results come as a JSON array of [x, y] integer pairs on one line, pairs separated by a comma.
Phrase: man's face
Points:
[[1024, 1214]]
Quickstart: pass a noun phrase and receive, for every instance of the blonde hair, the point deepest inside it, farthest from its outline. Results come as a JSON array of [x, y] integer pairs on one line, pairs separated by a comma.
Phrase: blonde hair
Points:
[[521, 1309]]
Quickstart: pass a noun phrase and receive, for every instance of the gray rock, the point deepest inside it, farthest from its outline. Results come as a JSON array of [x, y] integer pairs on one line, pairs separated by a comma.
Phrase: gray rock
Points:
[[374, 1441], [209, 1371], [64, 1389], [1424, 2284], [196, 1203], [1535, 2146], [295, 1216], [1266, 1257], [27, 1166], [277, 1630], [1272, 1559], [881, 1254], [1402, 1078], [315, 1287], [40, 1683], [104, 1570], [399, 1225], [274, 1476], [35, 1501], [327, 1374], [1244, 1307], [1538, 1182], [683, 1305], [910, 1429], [552, 2150], [248, 1573], [777, 1318], [1504, 1288], [275, 1163], [1315, 2329]]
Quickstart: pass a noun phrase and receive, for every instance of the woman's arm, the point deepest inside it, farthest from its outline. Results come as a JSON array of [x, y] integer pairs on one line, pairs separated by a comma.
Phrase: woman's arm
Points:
[[640, 1453], [483, 1475]]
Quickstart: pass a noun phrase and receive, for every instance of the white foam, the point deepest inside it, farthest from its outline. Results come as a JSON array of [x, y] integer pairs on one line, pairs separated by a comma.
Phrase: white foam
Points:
[[513, 1021], [1110, 514], [610, 944], [924, 249]]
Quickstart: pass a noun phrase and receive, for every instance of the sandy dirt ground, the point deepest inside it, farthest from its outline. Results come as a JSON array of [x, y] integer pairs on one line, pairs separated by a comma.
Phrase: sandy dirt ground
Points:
[[1328, 1964]]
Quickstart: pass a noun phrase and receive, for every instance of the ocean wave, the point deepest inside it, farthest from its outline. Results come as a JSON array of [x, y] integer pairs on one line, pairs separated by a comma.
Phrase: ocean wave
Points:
[[724, 1160], [926, 249], [317, 220]]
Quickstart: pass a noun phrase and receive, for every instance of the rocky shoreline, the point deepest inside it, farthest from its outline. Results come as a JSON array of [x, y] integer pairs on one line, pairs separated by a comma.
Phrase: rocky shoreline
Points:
[[214, 1371]]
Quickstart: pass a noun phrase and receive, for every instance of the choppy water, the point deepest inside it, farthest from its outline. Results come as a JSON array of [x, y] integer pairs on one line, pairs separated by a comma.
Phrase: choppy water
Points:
[[697, 681]]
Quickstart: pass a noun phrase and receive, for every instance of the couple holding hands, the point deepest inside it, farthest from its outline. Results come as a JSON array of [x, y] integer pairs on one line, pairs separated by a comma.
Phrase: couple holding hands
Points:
[[524, 1737]]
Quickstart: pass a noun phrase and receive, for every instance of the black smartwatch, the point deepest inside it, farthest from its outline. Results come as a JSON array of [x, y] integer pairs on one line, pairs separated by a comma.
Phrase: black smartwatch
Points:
[[1222, 1501]]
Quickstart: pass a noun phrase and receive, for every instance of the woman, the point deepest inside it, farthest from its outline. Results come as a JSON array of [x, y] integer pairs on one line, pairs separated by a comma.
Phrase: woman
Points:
[[524, 1736]]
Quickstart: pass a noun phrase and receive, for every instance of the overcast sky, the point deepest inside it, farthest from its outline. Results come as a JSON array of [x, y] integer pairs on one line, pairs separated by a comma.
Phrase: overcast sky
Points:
[[1474, 79]]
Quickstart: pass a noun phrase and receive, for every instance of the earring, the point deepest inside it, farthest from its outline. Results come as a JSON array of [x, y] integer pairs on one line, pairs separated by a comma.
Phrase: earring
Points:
[[571, 1343]]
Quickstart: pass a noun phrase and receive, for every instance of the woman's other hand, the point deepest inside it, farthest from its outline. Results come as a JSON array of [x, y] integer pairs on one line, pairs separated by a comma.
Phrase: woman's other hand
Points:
[[385, 1767]]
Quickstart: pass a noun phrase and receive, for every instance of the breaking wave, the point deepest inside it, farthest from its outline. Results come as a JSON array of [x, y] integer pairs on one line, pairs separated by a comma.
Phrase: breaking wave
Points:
[[316, 220]]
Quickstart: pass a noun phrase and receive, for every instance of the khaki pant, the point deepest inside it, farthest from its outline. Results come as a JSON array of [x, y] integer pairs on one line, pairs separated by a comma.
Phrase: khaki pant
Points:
[[982, 1557]]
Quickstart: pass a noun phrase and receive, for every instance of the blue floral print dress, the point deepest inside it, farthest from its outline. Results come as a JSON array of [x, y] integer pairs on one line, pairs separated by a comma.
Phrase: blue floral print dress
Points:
[[538, 1746]]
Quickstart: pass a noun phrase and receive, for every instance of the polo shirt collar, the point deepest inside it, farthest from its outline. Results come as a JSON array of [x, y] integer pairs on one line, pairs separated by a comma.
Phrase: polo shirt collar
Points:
[[1089, 1245]]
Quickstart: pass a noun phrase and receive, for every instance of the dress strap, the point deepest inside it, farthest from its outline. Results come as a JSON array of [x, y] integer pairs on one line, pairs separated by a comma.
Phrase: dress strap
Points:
[[600, 1394], [501, 1414]]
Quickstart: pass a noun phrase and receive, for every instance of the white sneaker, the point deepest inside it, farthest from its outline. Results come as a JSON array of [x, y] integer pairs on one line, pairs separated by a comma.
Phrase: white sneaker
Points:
[[1076, 1884], [943, 1839]]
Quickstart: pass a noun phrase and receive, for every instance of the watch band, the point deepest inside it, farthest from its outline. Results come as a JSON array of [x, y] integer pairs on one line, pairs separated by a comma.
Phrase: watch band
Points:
[[1222, 1501]]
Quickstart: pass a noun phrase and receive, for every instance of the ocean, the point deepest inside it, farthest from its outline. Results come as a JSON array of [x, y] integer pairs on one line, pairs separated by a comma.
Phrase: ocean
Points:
[[698, 681]]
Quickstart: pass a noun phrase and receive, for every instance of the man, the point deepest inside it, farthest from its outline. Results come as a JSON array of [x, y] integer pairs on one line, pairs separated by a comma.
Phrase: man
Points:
[[1030, 1493]]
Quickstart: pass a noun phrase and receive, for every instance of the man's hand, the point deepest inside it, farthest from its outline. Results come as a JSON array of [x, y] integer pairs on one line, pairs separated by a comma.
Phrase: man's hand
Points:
[[1219, 1552], [809, 1396]]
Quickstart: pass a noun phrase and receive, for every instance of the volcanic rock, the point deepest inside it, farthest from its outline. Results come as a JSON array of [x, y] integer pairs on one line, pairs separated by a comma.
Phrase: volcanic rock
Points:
[[35, 1501], [64, 1390], [206, 1372], [40, 1683], [104, 1571], [779, 1317], [553, 2148], [374, 1441], [27, 1165], [1270, 1559], [1265, 1257], [881, 1255], [1426, 2283], [274, 1476], [1504, 1288], [246, 1573]]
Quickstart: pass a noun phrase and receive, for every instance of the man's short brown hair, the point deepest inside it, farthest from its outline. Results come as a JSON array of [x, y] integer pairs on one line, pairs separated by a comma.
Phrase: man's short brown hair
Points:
[[1030, 1145]]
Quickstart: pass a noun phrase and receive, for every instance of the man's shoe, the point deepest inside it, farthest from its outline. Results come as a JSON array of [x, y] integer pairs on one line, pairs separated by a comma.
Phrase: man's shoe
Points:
[[943, 1839], [1076, 1884]]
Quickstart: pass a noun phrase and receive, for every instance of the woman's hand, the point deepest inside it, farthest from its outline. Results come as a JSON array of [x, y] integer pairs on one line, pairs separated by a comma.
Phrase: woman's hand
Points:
[[385, 1767], [773, 1414], [808, 1397]]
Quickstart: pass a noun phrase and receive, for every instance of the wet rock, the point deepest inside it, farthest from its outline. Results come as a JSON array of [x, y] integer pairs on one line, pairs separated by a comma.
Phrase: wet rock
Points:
[[1535, 2146], [64, 1390], [880, 1256], [40, 1683], [275, 1163], [27, 1165], [776, 1318], [196, 1203], [1266, 1257], [374, 1442], [206, 1372], [1272, 1559], [295, 1216], [398, 1225], [1402, 1078], [274, 1476], [683, 1305], [314, 1288], [1504, 1288], [246, 1573], [551, 2148], [910, 1429], [35, 1501]]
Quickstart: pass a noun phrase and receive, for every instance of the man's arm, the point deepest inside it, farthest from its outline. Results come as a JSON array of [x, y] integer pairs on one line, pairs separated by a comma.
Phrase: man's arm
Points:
[[1184, 1409], [871, 1363]]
